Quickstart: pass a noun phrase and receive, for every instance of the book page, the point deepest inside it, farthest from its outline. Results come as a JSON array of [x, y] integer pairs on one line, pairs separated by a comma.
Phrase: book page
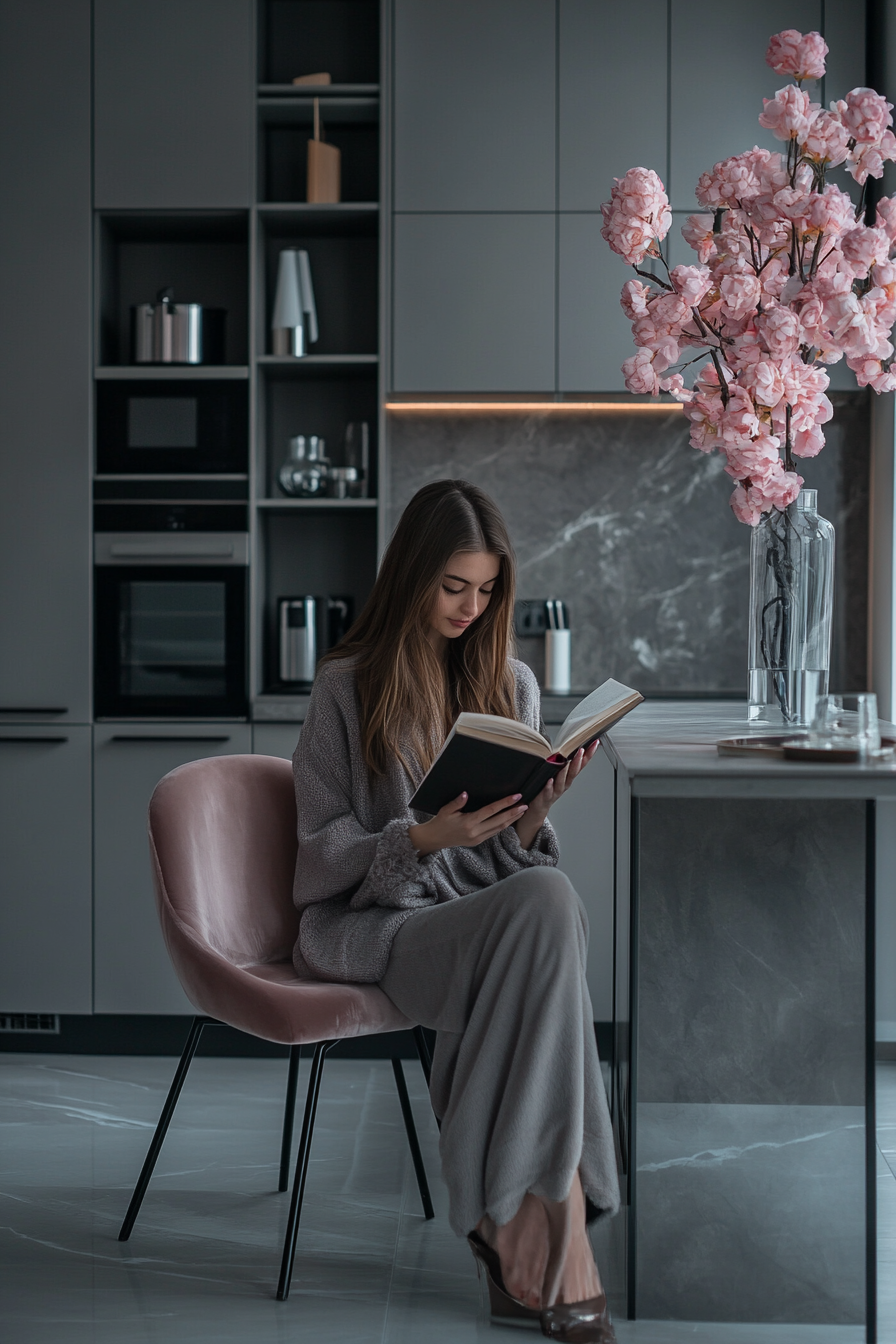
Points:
[[590, 715], [504, 732]]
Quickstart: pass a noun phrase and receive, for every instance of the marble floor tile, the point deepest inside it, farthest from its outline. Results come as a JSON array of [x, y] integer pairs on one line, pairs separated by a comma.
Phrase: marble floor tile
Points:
[[201, 1265]]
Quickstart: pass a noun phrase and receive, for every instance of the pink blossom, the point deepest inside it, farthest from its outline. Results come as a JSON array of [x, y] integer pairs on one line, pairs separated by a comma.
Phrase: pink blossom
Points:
[[640, 375], [871, 373], [738, 422], [886, 216], [674, 385], [789, 114], [691, 282], [830, 212], [755, 458], [827, 139], [862, 248], [865, 114], [636, 215], [868, 160], [790, 53], [778, 489], [779, 330], [740, 294], [742, 177], [764, 382], [634, 299], [697, 231], [807, 442]]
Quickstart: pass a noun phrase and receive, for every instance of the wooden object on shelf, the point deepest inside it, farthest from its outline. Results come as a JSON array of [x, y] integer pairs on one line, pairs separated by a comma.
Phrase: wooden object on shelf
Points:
[[321, 78], [323, 166]]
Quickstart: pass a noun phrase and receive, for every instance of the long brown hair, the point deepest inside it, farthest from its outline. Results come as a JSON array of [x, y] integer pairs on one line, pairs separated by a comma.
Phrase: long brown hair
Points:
[[408, 695]]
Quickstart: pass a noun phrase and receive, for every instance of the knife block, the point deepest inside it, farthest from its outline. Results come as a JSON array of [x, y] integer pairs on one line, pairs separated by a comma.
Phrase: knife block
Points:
[[323, 172]]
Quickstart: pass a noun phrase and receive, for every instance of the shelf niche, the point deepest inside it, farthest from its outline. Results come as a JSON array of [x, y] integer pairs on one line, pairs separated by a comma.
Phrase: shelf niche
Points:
[[324, 405], [343, 251], [303, 37], [203, 256], [309, 553]]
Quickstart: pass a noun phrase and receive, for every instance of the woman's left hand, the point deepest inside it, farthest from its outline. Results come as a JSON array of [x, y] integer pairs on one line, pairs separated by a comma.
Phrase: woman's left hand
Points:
[[531, 822]]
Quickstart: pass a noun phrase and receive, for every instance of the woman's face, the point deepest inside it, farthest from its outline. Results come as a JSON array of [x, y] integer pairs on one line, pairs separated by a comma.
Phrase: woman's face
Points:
[[466, 588]]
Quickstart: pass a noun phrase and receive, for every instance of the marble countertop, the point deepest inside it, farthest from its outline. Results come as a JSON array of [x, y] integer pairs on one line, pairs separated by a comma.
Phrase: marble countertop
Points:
[[668, 748]]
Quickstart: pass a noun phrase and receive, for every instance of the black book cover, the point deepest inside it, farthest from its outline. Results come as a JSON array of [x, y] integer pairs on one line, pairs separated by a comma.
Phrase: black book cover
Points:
[[487, 771]]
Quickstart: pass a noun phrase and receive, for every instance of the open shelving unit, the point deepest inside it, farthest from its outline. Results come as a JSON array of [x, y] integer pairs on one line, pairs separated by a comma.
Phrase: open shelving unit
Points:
[[228, 259], [327, 547]]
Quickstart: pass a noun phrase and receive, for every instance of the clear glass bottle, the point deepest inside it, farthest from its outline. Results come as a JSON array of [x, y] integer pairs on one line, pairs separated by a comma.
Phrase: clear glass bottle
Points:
[[304, 473], [791, 595]]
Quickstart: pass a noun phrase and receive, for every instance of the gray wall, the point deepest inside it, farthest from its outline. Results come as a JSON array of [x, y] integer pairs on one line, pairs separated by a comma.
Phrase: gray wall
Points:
[[618, 515]]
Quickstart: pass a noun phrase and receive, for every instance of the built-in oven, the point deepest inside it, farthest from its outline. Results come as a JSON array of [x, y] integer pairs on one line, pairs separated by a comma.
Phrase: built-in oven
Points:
[[170, 611], [170, 427]]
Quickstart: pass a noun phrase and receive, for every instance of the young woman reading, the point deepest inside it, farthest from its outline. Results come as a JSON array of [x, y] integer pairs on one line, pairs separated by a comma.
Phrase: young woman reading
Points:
[[463, 919]]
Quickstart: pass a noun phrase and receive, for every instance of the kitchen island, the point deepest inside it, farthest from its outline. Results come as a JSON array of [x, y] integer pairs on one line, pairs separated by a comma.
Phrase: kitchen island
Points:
[[743, 1070]]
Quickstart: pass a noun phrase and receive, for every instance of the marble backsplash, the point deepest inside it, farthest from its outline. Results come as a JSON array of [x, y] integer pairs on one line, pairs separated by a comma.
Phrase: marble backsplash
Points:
[[615, 513]]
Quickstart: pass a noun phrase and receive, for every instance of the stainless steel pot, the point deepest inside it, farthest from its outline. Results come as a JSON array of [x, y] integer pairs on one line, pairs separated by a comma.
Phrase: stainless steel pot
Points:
[[166, 332]]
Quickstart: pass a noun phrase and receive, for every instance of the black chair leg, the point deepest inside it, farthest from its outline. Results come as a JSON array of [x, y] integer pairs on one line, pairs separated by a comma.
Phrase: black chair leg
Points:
[[289, 1115], [298, 1189], [413, 1141], [423, 1051], [158, 1138]]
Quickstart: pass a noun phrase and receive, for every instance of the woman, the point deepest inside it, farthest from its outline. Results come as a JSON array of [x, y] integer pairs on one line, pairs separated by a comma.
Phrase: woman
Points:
[[463, 919]]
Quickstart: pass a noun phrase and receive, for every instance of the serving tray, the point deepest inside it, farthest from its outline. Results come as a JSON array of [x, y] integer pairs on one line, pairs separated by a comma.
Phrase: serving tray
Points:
[[795, 747]]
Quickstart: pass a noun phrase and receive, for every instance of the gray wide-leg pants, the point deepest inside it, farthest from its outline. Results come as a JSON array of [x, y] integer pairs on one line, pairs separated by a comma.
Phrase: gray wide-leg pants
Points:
[[500, 975]]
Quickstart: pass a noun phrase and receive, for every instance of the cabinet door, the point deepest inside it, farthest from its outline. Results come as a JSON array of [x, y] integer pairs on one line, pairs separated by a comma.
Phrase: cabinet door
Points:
[[45, 914], [132, 971], [594, 334], [275, 739], [584, 819], [473, 303], [605, 126], [174, 103], [474, 105], [45, 356], [719, 78]]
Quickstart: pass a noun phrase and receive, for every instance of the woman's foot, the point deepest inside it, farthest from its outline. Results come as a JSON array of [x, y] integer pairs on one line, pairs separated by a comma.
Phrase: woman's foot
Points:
[[545, 1252], [571, 1273]]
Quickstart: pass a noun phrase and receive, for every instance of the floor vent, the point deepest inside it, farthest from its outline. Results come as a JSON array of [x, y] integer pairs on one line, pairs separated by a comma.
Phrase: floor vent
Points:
[[30, 1022]]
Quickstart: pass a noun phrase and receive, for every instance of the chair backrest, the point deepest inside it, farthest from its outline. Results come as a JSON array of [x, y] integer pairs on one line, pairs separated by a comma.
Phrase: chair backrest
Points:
[[223, 836]]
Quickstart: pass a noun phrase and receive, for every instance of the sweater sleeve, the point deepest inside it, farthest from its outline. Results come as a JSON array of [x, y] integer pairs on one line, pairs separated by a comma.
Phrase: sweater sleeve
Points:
[[337, 853]]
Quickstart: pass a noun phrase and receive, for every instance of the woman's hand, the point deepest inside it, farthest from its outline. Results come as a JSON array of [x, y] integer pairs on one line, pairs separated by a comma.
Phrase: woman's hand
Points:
[[528, 826], [451, 827]]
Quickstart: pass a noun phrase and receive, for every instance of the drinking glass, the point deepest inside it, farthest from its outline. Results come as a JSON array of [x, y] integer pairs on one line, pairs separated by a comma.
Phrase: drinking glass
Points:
[[847, 722]]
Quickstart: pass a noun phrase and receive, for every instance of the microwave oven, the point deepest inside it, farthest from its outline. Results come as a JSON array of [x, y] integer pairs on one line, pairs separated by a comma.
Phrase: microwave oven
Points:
[[168, 427]]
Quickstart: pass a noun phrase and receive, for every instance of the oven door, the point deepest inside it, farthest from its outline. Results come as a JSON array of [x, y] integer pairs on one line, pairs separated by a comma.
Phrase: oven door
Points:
[[170, 641]]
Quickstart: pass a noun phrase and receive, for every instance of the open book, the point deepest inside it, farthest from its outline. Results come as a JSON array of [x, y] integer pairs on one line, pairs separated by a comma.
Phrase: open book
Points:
[[492, 757]]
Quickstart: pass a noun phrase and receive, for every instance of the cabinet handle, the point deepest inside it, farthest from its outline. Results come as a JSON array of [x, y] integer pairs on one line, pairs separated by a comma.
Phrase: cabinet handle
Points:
[[32, 737], [17, 709], [164, 737]]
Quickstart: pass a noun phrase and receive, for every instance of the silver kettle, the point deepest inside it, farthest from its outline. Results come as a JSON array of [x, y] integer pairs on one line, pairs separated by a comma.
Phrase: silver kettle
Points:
[[166, 332]]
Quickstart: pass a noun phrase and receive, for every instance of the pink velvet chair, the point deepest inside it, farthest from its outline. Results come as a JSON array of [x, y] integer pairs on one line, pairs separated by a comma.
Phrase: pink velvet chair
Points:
[[222, 837]]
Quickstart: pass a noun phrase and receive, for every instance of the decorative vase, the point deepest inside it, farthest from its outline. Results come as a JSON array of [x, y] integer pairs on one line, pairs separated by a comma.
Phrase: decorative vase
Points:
[[305, 471], [791, 594]]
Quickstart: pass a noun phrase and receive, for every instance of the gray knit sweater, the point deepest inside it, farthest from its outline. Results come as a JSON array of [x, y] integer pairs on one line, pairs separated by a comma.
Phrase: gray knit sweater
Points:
[[358, 877]]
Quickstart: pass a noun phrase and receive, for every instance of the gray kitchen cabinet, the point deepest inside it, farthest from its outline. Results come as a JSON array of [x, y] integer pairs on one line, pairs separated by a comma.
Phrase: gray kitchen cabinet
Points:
[[474, 105], [584, 819], [45, 355], [594, 334], [174, 91], [605, 50], [719, 78], [45, 861], [275, 739], [132, 973], [473, 303]]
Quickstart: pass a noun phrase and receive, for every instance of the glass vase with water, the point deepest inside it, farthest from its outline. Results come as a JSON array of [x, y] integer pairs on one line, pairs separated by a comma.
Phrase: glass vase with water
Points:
[[791, 595]]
